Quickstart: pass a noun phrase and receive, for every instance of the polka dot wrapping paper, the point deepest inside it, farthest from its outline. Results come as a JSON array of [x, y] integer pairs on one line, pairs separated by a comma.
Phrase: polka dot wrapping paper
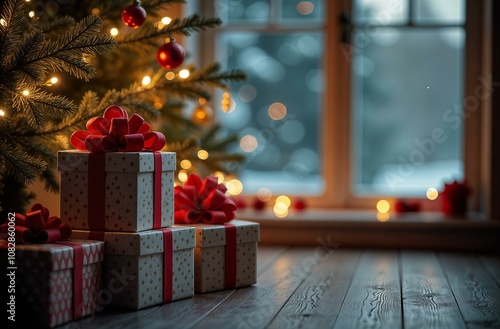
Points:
[[135, 263], [127, 190], [210, 256], [44, 280]]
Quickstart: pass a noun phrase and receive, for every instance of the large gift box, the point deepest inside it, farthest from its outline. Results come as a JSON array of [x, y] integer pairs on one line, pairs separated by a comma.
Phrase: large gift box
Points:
[[147, 268], [117, 191], [56, 282], [225, 255]]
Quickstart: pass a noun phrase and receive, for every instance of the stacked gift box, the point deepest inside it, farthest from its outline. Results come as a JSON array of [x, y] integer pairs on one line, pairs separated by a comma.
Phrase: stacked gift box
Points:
[[117, 195]]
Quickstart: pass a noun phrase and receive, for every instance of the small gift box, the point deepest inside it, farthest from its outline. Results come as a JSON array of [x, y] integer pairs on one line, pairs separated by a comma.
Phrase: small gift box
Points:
[[147, 268], [106, 190], [56, 280], [225, 256], [226, 250]]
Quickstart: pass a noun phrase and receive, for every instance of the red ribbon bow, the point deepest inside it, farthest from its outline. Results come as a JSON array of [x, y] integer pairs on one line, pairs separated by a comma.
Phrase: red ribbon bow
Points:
[[202, 202], [114, 131], [38, 227]]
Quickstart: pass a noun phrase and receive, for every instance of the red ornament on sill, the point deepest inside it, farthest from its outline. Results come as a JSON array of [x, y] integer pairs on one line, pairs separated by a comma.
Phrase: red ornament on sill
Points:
[[300, 204], [454, 198], [258, 204], [403, 206], [134, 15], [240, 203]]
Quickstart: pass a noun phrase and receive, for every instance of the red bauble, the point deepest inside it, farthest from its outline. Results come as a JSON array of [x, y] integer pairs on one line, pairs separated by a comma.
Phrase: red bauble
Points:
[[170, 55], [240, 203], [403, 206], [134, 16], [454, 198], [300, 204], [259, 204]]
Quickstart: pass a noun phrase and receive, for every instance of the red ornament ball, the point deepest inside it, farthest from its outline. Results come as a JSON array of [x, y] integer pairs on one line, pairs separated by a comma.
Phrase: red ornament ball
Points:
[[259, 204], [170, 55], [300, 204], [134, 16], [240, 203]]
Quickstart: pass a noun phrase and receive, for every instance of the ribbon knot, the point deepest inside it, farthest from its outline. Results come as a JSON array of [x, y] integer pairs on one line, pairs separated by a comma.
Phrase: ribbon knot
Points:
[[202, 202], [38, 227], [114, 131]]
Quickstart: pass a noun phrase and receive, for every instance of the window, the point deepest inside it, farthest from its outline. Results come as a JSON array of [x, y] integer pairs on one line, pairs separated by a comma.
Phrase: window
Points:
[[347, 102]]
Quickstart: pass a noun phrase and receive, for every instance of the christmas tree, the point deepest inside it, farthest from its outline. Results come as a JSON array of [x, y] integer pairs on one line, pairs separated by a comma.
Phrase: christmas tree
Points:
[[59, 68]]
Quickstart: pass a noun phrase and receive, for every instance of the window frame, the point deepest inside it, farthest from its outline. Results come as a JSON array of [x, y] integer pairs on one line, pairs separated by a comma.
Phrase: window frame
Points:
[[336, 126]]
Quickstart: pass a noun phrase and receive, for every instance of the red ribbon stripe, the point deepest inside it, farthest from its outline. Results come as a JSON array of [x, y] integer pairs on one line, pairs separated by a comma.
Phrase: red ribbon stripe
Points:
[[96, 186], [168, 251], [77, 278], [230, 275], [157, 202]]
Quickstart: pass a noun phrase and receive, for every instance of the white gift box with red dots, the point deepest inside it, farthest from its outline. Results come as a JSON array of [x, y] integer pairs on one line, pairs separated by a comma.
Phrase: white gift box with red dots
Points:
[[129, 190]]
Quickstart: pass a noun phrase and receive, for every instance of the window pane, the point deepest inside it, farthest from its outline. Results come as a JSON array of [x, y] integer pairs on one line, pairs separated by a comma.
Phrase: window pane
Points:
[[277, 109], [407, 88], [440, 11], [303, 11], [380, 12], [248, 11]]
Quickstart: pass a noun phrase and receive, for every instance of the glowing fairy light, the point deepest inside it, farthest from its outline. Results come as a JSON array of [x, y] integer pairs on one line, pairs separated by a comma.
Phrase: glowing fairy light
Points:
[[31, 14], [26, 92], [202, 154], [53, 80], [184, 73], [383, 206], [113, 31], [166, 20], [170, 75], [146, 80], [186, 164], [432, 193]]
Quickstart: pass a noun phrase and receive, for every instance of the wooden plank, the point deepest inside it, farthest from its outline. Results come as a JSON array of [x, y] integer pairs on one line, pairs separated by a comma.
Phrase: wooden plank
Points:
[[428, 301], [267, 254], [492, 265], [256, 306], [477, 295], [374, 298], [112, 318], [316, 303]]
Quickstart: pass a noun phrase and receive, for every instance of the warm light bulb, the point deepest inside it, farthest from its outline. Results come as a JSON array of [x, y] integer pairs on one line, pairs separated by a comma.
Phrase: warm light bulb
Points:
[[31, 14], [283, 199], [53, 80], [280, 210], [184, 73], [95, 11], [26, 92], [2, 113], [383, 217], [183, 176], [113, 31], [166, 20], [170, 75], [146, 80], [3, 22], [185, 164], [383, 206], [432, 193], [234, 187], [202, 154]]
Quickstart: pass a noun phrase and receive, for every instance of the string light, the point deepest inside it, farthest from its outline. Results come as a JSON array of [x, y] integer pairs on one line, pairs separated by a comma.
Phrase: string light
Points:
[[170, 75], [234, 187], [183, 176], [166, 20], [186, 164], [96, 11], [202, 154], [280, 210], [31, 14], [225, 101], [53, 80], [184, 73], [2, 113], [146, 80], [284, 199], [26, 92], [158, 105], [113, 31], [3, 22]]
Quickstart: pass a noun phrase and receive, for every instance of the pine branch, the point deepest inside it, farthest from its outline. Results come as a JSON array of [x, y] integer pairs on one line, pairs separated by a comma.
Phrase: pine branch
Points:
[[57, 24], [19, 164], [186, 26], [11, 28]]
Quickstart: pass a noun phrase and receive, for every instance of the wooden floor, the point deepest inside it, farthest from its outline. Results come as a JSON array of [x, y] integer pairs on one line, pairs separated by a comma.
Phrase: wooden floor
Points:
[[336, 288]]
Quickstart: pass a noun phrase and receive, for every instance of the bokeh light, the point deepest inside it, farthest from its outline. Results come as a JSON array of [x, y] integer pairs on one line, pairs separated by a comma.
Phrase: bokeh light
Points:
[[383, 217], [170, 75], [182, 176], [186, 164], [277, 111], [383, 206], [220, 176], [284, 199], [113, 31], [305, 7], [264, 194], [146, 80], [432, 193], [280, 210], [184, 73], [248, 143], [202, 154], [234, 187]]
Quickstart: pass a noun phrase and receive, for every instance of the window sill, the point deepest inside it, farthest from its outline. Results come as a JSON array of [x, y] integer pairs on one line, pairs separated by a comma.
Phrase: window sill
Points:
[[361, 229]]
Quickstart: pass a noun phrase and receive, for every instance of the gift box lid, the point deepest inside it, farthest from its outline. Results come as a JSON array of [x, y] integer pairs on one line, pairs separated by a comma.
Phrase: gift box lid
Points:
[[215, 235], [54, 256], [145, 242], [130, 162]]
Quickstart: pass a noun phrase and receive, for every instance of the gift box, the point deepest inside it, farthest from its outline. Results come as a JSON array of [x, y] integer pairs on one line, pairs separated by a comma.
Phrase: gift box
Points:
[[117, 191], [225, 255], [147, 268], [56, 282]]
